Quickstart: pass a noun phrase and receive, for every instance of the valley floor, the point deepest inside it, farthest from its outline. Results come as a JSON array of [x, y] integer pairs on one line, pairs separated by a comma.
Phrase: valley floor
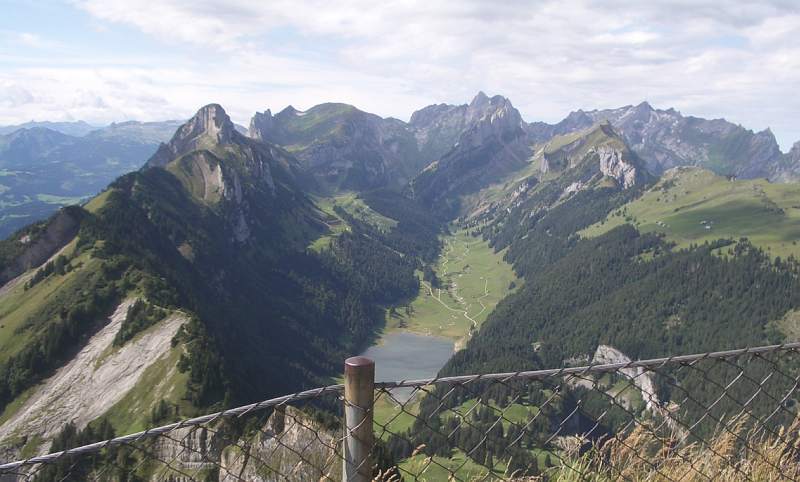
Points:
[[472, 279]]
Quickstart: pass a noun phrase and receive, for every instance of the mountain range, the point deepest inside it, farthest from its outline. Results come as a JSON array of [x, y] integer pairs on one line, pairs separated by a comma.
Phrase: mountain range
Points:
[[228, 267], [666, 139], [345, 148]]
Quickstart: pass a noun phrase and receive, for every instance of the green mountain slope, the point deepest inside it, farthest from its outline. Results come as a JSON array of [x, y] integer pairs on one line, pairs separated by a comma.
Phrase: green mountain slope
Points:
[[211, 236], [342, 147], [692, 205], [606, 264], [622, 289]]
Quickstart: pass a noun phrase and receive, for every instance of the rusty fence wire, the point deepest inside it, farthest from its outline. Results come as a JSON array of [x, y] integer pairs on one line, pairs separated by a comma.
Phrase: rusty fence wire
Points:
[[714, 416]]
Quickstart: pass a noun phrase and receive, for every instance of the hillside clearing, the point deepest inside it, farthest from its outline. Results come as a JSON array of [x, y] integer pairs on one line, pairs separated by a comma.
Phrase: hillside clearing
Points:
[[473, 279], [692, 206]]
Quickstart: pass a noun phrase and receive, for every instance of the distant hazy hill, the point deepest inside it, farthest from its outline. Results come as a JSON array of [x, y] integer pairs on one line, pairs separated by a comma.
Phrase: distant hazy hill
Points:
[[42, 167], [76, 128]]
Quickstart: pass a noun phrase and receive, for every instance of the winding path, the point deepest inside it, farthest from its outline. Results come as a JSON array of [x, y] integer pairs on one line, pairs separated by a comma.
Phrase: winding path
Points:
[[453, 289]]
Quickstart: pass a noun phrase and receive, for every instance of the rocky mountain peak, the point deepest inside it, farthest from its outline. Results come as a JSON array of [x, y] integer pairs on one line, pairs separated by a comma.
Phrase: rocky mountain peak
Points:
[[210, 120], [578, 117], [427, 116], [794, 152], [211, 124], [261, 123], [479, 101], [495, 117], [635, 116], [767, 135], [287, 111]]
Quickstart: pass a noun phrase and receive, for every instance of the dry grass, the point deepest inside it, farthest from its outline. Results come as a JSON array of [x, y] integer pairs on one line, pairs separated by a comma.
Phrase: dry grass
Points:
[[733, 454]]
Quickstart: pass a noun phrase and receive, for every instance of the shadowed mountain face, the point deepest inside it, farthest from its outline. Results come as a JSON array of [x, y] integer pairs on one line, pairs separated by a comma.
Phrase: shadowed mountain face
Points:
[[342, 147], [492, 145], [347, 149], [665, 139]]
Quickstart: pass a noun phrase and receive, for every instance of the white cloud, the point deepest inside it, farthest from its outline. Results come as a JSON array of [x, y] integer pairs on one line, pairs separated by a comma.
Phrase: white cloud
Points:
[[713, 59]]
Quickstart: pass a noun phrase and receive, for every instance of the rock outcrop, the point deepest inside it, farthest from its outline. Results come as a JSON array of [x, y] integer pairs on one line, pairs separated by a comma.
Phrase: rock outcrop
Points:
[[599, 151], [58, 231], [790, 165], [614, 165], [289, 445], [642, 379], [291, 442]]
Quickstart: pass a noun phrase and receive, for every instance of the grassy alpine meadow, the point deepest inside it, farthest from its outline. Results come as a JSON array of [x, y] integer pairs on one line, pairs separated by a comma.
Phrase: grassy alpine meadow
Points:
[[18, 304], [692, 206], [354, 206], [472, 280]]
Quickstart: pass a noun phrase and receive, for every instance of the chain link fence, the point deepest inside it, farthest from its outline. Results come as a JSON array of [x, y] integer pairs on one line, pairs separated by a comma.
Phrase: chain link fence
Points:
[[714, 416]]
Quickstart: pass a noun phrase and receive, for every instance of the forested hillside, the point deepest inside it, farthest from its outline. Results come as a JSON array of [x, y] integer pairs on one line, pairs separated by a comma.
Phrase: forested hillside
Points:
[[219, 235], [635, 290]]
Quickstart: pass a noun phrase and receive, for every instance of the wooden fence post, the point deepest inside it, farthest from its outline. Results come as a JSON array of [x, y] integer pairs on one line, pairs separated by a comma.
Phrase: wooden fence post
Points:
[[359, 387]]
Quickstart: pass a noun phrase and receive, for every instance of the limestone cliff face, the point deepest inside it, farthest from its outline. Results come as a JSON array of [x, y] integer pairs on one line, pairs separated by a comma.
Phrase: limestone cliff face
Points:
[[599, 152], [614, 165], [290, 443], [210, 125], [794, 154], [790, 165], [192, 450]]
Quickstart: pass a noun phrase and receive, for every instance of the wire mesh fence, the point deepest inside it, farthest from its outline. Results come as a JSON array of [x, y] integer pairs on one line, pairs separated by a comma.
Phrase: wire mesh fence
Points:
[[713, 416]]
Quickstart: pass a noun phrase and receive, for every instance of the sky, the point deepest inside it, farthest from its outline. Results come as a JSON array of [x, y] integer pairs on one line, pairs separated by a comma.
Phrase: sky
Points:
[[114, 60]]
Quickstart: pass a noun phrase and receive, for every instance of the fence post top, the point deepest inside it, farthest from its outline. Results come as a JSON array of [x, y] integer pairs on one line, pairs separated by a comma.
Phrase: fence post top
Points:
[[358, 362]]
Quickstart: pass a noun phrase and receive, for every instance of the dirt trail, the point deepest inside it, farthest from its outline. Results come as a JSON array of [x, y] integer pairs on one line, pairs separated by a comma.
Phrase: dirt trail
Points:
[[92, 382], [453, 289]]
